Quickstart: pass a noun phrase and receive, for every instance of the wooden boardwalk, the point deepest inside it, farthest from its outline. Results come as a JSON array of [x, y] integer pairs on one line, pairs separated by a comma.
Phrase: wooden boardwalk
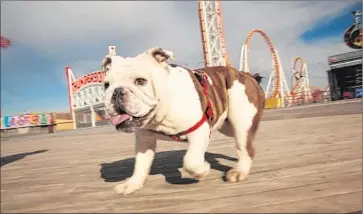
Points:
[[302, 165]]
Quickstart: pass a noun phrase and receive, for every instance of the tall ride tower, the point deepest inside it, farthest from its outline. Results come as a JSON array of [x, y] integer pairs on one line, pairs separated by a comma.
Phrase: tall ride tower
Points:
[[211, 27]]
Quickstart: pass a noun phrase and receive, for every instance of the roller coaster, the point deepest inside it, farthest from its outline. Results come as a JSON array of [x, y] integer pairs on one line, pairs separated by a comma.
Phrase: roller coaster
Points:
[[215, 53]]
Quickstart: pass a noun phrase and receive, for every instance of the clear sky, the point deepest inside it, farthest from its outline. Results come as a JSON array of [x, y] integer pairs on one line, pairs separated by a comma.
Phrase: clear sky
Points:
[[49, 35]]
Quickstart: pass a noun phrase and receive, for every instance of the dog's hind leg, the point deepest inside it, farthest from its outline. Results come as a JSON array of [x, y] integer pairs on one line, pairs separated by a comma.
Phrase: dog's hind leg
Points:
[[244, 116]]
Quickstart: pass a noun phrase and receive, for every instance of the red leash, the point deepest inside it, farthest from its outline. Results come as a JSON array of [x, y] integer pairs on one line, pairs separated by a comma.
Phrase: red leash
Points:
[[208, 114]]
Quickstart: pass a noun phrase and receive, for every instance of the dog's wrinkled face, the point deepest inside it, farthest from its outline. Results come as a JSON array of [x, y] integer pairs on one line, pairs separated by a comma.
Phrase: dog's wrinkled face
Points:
[[131, 96]]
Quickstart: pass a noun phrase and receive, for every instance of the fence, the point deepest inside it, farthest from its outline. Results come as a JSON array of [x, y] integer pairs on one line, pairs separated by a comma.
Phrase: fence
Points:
[[299, 99], [316, 97]]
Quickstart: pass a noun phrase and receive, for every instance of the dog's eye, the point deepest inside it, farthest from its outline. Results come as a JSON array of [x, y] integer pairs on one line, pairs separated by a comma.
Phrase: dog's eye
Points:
[[140, 81], [106, 85]]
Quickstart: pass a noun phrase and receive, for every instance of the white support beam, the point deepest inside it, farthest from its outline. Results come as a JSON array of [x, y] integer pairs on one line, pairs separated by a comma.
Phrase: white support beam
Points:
[[212, 33]]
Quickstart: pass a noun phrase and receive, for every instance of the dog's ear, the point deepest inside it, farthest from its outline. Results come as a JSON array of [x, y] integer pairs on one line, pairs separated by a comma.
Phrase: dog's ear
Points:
[[106, 63], [160, 55]]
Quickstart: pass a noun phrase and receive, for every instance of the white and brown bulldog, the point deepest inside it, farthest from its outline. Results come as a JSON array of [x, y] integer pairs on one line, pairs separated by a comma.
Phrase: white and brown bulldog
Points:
[[157, 100]]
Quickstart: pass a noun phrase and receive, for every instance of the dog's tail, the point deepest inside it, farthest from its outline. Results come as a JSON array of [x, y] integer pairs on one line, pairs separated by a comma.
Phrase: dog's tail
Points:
[[257, 77]]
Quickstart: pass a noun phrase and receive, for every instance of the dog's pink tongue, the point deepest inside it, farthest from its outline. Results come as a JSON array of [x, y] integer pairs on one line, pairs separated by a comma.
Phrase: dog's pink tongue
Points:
[[115, 120]]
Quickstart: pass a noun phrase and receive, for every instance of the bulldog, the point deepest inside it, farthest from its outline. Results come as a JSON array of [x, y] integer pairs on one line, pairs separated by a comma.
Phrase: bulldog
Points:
[[155, 100]]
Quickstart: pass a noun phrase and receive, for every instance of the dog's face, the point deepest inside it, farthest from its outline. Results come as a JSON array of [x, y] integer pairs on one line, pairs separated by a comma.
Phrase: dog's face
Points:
[[131, 87]]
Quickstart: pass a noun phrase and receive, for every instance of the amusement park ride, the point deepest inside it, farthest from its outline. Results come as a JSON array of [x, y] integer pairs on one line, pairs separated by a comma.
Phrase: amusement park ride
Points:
[[353, 35], [86, 95], [215, 53]]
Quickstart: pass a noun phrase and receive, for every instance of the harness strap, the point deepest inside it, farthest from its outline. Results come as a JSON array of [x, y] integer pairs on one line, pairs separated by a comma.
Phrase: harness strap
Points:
[[208, 114], [191, 129]]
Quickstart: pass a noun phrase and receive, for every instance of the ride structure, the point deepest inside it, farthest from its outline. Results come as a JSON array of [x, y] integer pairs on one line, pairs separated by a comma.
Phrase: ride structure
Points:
[[277, 90], [211, 27], [86, 92], [86, 97], [353, 35], [215, 52], [300, 90]]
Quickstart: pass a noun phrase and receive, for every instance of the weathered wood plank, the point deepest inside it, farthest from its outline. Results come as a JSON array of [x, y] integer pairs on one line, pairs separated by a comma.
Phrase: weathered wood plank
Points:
[[302, 165]]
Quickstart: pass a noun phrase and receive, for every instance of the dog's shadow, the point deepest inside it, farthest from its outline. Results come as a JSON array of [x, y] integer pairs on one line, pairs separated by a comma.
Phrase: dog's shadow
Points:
[[165, 163]]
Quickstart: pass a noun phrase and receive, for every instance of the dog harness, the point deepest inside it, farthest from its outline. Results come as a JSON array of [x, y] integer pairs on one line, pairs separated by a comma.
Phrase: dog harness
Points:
[[208, 113]]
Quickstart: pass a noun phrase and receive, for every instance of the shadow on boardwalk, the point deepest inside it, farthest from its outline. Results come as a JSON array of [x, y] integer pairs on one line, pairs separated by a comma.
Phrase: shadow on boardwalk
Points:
[[165, 163], [12, 158]]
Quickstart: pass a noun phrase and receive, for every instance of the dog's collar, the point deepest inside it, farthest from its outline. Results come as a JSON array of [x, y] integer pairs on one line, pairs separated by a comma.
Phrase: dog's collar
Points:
[[208, 113]]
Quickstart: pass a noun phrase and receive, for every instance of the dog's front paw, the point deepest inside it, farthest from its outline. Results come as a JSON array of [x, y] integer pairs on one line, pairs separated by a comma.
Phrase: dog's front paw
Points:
[[234, 175], [198, 172], [129, 186]]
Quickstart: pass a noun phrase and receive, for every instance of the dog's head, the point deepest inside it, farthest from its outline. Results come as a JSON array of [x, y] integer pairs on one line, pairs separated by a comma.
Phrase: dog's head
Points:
[[132, 87]]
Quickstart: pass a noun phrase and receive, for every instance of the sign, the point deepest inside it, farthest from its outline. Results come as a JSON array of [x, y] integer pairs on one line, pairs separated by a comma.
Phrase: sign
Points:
[[86, 94], [358, 92], [26, 120], [94, 77]]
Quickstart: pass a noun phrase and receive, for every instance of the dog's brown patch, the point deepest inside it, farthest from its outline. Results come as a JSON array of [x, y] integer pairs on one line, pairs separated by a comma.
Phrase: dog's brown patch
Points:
[[222, 79]]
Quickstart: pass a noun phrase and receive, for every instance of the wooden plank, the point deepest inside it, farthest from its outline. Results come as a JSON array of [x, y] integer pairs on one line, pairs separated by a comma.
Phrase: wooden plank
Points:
[[298, 162], [238, 202], [329, 204]]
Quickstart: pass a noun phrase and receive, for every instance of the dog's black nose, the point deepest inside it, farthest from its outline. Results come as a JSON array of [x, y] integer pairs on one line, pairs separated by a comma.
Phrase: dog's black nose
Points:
[[118, 98], [119, 91]]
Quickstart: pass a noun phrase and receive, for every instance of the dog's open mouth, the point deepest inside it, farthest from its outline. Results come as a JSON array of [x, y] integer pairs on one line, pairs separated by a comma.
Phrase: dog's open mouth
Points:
[[118, 119], [128, 123]]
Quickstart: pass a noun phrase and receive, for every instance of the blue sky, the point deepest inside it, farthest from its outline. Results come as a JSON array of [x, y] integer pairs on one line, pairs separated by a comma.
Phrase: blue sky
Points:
[[48, 36], [334, 27]]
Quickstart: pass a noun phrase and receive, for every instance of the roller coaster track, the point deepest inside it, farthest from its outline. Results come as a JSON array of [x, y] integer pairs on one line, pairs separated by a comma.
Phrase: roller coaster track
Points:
[[275, 61], [211, 27], [299, 75]]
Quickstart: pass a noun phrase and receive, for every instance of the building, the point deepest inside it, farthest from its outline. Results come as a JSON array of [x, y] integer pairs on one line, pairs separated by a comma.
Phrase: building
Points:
[[345, 75], [86, 99]]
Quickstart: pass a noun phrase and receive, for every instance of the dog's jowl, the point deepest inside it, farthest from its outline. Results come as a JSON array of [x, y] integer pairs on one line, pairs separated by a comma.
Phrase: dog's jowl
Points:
[[157, 100]]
